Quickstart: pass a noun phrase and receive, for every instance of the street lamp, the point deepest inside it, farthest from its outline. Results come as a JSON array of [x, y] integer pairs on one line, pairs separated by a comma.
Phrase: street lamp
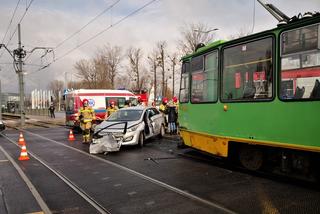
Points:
[[208, 31]]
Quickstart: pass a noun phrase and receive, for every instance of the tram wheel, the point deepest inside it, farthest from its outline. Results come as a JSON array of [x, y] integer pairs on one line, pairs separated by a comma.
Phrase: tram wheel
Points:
[[250, 157]]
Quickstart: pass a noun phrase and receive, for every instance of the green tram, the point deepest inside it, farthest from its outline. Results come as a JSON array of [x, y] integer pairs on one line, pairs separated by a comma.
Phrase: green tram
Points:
[[256, 98]]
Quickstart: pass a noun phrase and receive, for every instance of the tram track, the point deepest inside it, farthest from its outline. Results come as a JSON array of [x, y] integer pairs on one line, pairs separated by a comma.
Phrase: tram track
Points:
[[92, 201], [67, 181]]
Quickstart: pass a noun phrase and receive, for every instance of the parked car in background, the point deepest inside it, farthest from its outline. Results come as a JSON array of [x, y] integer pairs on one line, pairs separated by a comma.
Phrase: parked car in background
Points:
[[2, 126], [131, 126]]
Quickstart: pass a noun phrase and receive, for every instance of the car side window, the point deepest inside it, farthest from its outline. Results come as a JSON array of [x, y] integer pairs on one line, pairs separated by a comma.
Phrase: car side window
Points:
[[155, 111], [150, 113]]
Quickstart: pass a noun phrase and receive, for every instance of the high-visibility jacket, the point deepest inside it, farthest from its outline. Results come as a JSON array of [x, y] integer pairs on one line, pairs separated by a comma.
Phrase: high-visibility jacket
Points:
[[86, 115], [163, 108], [111, 110], [176, 104]]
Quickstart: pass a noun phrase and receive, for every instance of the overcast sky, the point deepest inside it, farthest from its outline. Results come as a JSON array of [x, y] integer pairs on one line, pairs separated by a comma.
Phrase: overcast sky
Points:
[[49, 22]]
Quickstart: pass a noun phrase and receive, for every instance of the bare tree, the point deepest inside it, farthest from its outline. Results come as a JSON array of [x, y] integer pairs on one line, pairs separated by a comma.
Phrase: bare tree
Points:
[[135, 56], [112, 57], [162, 45], [56, 86], [243, 31], [192, 35], [145, 80], [173, 60], [102, 70], [152, 60], [123, 81], [86, 72]]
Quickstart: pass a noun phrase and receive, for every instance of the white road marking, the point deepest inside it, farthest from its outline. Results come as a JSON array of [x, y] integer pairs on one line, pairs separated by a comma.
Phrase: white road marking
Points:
[[149, 203], [105, 178], [32, 189], [132, 193]]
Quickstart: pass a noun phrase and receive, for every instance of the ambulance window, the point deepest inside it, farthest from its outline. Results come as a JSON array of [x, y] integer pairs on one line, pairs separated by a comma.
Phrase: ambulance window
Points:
[[70, 103], [121, 102]]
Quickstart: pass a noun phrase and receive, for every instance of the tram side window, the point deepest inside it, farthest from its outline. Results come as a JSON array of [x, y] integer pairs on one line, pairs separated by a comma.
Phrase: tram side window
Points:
[[184, 84], [204, 80], [300, 64], [248, 71]]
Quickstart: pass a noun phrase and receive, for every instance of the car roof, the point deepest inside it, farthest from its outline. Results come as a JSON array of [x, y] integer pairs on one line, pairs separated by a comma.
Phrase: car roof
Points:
[[135, 108]]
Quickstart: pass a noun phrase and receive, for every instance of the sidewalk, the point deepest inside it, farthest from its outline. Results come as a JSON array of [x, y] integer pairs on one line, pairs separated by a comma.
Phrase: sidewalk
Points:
[[59, 119]]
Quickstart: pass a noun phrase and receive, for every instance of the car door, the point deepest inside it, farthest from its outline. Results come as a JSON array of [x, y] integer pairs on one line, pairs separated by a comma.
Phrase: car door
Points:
[[148, 130], [156, 120]]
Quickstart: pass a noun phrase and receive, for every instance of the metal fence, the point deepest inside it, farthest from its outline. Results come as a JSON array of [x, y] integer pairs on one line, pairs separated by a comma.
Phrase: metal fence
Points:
[[40, 112]]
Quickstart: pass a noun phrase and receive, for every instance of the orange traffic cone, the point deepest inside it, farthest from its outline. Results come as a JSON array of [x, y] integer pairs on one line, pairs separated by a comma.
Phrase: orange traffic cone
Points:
[[21, 140], [71, 136], [24, 153]]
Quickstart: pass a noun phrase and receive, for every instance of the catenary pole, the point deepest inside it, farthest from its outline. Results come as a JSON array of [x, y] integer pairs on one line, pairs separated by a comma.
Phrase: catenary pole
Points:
[[20, 76], [0, 102]]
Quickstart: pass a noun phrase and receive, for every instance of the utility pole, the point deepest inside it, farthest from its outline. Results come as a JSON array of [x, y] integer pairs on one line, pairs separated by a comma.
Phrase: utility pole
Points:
[[21, 54], [153, 63], [173, 61], [161, 63], [155, 81], [0, 102], [18, 55]]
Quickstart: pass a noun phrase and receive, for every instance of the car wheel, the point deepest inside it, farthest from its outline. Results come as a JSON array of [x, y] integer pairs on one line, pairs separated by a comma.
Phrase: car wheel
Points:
[[162, 131], [141, 140]]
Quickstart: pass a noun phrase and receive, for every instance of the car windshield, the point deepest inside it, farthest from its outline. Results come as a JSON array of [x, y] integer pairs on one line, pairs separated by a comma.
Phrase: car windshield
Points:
[[125, 115]]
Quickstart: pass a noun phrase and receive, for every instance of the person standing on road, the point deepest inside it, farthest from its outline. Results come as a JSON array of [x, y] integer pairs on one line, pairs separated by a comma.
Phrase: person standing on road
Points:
[[172, 117], [51, 110], [163, 109], [86, 117], [176, 103]]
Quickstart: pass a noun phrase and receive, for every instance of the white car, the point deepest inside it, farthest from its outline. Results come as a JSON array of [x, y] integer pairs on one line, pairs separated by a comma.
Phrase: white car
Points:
[[131, 126]]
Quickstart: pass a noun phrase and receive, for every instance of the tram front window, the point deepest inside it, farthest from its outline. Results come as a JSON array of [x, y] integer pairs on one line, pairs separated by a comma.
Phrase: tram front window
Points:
[[300, 63], [247, 71]]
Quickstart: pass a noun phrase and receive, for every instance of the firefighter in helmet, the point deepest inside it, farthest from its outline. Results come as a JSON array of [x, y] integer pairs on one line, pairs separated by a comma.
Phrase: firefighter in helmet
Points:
[[176, 103], [163, 108], [163, 105], [86, 116], [112, 108]]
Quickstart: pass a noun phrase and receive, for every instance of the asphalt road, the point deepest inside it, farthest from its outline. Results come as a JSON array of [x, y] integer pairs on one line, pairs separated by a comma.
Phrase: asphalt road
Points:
[[158, 178]]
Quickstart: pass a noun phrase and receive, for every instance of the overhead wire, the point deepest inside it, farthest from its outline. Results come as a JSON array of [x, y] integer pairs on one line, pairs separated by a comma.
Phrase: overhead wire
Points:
[[22, 17], [84, 26], [92, 20], [96, 35], [10, 22], [106, 29]]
